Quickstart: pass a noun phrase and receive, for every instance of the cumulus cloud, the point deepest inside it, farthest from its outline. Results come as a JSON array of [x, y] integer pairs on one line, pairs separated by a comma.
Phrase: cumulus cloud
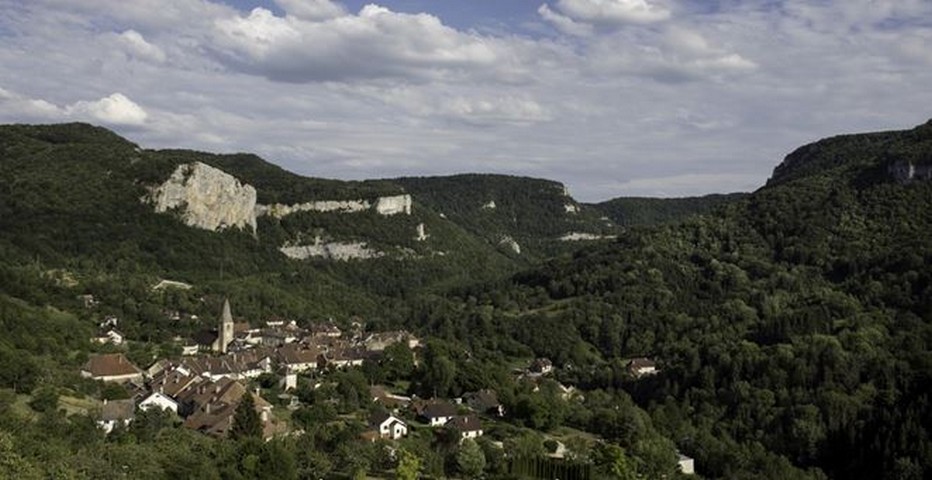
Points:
[[565, 24], [614, 12], [137, 46], [616, 97], [375, 43], [312, 9], [22, 108], [115, 109]]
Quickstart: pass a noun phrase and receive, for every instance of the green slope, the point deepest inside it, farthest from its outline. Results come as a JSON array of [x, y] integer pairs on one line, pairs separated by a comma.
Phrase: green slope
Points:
[[793, 327]]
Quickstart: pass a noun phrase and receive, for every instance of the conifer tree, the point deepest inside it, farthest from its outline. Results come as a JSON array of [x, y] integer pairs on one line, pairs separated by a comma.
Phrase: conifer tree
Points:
[[246, 422]]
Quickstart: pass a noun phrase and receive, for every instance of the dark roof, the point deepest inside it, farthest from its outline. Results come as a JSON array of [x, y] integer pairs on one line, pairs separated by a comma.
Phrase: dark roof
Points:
[[205, 337], [117, 410], [641, 362], [438, 409], [483, 400], [110, 365], [465, 423]]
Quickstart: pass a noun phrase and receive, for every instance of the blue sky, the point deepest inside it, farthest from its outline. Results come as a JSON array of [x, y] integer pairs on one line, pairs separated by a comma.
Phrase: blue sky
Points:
[[610, 97]]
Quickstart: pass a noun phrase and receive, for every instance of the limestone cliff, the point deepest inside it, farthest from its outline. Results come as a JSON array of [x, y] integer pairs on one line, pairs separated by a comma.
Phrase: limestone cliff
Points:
[[383, 205], [330, 250], [206, 197]]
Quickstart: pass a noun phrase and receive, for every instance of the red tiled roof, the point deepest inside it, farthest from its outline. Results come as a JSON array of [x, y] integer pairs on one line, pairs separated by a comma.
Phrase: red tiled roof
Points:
[[110, 365]]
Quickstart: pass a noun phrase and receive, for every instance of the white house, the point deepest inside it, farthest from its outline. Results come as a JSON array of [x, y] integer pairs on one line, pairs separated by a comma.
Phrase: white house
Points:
[[438, 414], [116, 412], [389, 426], [642, 367], [159, 400], [468, 426], [109, 335], [687, 465]]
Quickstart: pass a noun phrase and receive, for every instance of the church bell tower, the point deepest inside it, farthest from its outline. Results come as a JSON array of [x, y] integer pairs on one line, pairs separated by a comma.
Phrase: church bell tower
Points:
[[225, 332]]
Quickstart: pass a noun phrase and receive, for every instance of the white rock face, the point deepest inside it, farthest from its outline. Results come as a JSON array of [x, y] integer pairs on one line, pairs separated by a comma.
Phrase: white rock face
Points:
[[510, 243], [570, 208], [279, 210], [577, 236], [340, 251], [394, 205], [489, 206], [421, 233], [207, 198], [383, 205]]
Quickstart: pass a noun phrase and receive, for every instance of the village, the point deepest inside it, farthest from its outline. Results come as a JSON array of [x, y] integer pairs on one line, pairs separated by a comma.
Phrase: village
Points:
[[220, 367]]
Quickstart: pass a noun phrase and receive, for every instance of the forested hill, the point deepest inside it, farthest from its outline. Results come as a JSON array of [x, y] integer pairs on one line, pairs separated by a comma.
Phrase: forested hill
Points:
[[537, 214], [641, 211], [793, 327], [78, 198]]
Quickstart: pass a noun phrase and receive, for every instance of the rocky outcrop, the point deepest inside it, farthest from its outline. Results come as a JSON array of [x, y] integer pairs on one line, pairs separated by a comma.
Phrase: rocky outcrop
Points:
[[489, 206], [206, 197], [421, 233], [392, 205], [340, 251], [510, 243], [578, 236], [904, 171], [279, 210], [571, 208]]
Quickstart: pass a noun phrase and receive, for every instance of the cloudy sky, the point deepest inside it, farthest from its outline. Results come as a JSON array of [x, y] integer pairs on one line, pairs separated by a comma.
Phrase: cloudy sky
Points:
[[611, 97]]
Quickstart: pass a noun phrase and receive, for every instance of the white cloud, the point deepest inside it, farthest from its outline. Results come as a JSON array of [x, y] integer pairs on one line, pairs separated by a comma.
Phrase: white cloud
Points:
[[115, 109], [376, 43], [608, 103], [565, 24], [312, 9], [137, 46], [16, 107], [614, 11]]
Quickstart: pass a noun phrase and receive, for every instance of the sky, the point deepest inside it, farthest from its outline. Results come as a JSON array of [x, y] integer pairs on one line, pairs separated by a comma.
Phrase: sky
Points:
[[612, 98]]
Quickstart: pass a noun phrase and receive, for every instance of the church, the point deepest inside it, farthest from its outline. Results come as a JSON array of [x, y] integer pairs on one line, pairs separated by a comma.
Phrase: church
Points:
[[219, 339]]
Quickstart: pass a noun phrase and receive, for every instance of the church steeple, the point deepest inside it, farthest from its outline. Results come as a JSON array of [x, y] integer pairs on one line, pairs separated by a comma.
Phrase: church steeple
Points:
[[225, 331]]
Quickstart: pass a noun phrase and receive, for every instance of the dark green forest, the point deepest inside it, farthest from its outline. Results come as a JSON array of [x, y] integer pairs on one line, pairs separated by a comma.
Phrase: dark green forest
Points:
[[792, 326]]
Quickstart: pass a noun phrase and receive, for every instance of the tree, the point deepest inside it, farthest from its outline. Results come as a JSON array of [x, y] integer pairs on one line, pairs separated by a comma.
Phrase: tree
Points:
[[246, 422], [469, 459], [611, 462], [409, 465]]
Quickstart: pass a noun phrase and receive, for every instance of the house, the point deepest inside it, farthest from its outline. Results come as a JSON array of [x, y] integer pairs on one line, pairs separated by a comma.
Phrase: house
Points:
[[387, 399], [210, 406], [173, 381], [238, 365], [116, 412], [108, 335], [327, 329], [687, 465], [111, 367], [388, 425], [436, 413], [159, 400], [298, 358], [376, 342], [540, 366], [485, 401], [342, 357], [641, 367], [468, 426]]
